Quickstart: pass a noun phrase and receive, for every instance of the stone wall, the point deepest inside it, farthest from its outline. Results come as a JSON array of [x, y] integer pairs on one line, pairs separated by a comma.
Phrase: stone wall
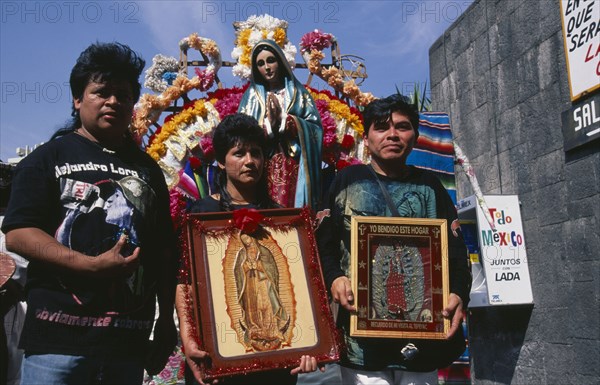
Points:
[[500, 72]]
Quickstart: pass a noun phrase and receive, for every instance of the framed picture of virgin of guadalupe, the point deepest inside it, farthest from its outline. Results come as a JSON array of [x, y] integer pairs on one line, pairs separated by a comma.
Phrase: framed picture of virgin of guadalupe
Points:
[[399, 274], [258, 300]]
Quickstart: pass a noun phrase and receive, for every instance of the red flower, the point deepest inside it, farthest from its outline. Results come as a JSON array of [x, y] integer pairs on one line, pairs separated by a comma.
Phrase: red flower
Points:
[[353, 161], [347, 142], [341, 164], [195, 163], [247, 220], [153, 136], [168, 118], [189, 104]]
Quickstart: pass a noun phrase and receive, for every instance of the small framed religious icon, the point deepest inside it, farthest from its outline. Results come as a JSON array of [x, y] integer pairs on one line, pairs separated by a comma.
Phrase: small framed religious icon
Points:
[[258, 300], [399, 274]]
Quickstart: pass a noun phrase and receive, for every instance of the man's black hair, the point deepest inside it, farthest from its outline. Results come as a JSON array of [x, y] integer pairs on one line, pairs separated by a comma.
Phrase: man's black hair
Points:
[[380, 111], [238, 130], [103, 62]]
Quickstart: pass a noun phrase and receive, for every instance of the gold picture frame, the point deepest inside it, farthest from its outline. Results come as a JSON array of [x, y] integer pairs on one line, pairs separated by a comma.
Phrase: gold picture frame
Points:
[[399, 270]]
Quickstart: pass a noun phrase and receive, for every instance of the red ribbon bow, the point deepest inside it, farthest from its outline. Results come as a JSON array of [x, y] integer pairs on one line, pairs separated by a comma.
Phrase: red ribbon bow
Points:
[[247, 220]]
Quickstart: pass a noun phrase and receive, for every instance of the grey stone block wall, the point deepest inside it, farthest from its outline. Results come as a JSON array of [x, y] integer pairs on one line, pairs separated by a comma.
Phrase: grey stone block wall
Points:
[[500, 73]]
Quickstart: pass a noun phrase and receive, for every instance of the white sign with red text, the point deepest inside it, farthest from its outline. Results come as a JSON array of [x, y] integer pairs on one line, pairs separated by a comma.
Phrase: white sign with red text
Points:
[[581, 35]]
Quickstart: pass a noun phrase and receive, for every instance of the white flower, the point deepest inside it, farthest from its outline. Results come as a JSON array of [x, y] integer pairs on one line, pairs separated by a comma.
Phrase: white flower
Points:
[[154, 75], [237, 52], [241, 71], [259, 25], [184, 43], [289, 50], [255, 37]]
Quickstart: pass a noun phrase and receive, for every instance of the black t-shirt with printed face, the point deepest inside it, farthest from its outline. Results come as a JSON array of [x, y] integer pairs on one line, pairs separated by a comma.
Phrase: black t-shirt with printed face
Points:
[[86, 196]]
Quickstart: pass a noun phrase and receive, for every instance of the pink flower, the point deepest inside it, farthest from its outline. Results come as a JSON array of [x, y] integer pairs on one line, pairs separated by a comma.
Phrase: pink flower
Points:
[[207, 78], [224, 92], [247, 220], [315, 41], [329, 139], [166, 374], [353, 161], [206, 145], [175, 360], [329, 124], [321, 105], [227, 103]]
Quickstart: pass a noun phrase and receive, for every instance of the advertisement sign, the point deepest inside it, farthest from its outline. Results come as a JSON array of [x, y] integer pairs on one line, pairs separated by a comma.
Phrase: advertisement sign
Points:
[[498, 256], [503, 251], [581, 36]]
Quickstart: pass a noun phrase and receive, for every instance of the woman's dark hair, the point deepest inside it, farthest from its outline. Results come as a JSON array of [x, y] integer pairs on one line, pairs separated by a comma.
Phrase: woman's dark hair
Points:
[[235, 130], [380, 111], [102, 62]]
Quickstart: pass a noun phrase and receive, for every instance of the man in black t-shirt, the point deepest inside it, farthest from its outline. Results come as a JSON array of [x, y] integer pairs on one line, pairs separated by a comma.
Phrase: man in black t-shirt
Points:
[[90, 211]]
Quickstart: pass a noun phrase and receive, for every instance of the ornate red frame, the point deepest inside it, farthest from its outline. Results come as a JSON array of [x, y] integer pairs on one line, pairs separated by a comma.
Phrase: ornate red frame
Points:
[[198, 229]]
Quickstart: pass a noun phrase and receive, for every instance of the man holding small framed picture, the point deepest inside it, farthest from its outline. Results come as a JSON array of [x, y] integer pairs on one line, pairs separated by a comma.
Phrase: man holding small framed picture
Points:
[[388, 187]]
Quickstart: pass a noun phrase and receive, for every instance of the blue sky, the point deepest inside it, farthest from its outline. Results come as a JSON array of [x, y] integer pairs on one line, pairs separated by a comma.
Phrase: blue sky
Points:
[[40, 41]]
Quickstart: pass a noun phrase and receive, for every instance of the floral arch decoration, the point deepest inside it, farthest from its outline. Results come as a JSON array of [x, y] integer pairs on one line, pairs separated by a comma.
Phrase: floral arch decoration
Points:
[[210, 53], [312, 46], [182, 144]]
